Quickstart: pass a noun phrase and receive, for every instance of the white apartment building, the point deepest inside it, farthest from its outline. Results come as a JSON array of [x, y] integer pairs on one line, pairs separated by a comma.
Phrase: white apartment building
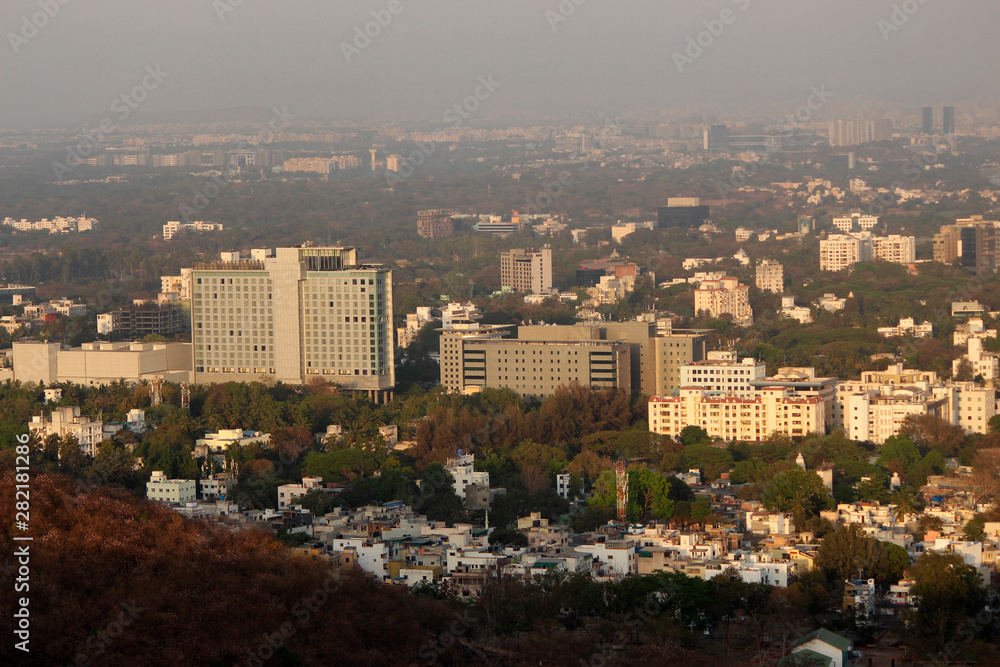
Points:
[[840, 251], [983, 363], [217, 444], [894, 249], [174, 227], [751, 419], [831, 303], [292, 315], [718, 297], [527, 271], [414, 323], [875, 416], [855, 222], [617, 557], [974, 328], [179, 285], [723, 373], [64, 307], [165, 490], [289, 492], [462, 468], [67, 420], [908, 327], [770, 276], [801, 313], [459, 313], [973, 407], [372, 557], [58, 225]]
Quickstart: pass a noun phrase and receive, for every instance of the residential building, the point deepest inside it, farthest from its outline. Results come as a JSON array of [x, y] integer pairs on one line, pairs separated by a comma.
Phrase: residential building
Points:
[[58, 225], [622, 229], [161, 489], [855, 222], [288, 493], [527, 271], [217, 444], [722, 373], [948, 121], [672, 351], [414, 323], [456, 313], [216, 486], [978, 361], [749, 418], [682, 212], [908, 327], [927, 120], [894, 249], [823, 647], [174, 227], [179, 285], [67, 421], [770, 276], [143, 318], [876, 414], [802, 381], [101, 363], [715, 298], [435, 223], [831, 303], [788, 309], [468, 480], [840, 251], [967, 309], [300, 313], [973, 328], [857, 131], [972, 242]]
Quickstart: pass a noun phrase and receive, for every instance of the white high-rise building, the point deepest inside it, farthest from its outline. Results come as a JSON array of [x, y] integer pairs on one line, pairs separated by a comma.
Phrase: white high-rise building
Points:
[[723, 373], [718, 297], [770, 276], [894, 248], [839, 251], [292, 315]]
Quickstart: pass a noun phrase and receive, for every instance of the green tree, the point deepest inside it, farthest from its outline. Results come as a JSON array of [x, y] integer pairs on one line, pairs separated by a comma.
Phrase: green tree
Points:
[[948, 592], [847, 553], [693, 435], [798, 491]]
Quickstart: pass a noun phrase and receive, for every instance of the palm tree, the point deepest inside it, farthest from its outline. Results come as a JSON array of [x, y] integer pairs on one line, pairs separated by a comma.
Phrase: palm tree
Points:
[[906, 503]]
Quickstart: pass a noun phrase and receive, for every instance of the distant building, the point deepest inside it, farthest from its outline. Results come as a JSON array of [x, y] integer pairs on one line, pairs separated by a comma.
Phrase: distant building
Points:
[[840, 251], [972, 242], [67, 421], [856, 131], [682, 212], [948, 121], [908, 327], [58, 225], [435, 223], [143, 318], [831, 303], [722, 373], [174, 227], [791, 311], [527, 271], [894, 249], [770, 276], [856, 222], [927, 120], [101, 363]]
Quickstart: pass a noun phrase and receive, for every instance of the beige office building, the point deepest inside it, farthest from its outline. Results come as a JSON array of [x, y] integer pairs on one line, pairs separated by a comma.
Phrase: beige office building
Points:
[[294, 314], [101, 363], [527, 271]]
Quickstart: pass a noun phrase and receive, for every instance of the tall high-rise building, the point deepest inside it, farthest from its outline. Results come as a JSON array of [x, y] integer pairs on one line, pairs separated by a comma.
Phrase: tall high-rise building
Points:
[[716, 139], [948, 121], [527, 271], [719, 297], [771, 276], [974, 242], [294, 314], [928, 120], [854, 132], [840, 251], [435, 223]]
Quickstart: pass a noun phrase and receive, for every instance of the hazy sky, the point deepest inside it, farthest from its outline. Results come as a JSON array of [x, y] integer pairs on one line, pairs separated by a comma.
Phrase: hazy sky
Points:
[[607, 56]]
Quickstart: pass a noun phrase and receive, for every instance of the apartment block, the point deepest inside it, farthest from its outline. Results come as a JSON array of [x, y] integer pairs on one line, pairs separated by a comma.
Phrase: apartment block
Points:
[[770, 276], [58, 225], [67, 421], [840, 251], [726, 296], [161, 489], [293, 314], [527, 271], [722, 373], [142, 318], [895, 249], [435, 223], [855, 222], [174, 227], [751, 419]]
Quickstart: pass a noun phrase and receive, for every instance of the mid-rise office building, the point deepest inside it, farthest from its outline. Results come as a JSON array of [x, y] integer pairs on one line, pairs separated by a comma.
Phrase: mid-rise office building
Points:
[[927, 120], [972, 242], [749, 419], [855, 222], [527, 270], [292, 315], [771, 276], [726, 296], [435, 223], [101, 363], [948, 121]]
